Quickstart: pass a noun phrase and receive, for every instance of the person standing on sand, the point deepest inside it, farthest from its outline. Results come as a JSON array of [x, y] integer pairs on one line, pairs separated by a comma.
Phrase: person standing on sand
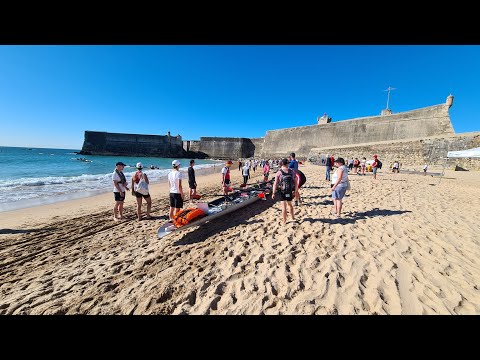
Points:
[[339, 186], [266, 171], [192, 183], [239, 164], [285, 179], [246, 174], [226, 177], [328, 167], [293, 162], [120, 185], [363, 164], [176, 191], [425, 168], [135, 180], [301, 179], [375, 166]]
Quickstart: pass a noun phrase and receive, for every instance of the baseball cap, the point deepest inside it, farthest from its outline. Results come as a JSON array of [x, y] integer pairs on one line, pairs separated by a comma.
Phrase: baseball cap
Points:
[[120, 163], [229, 162], [175, 163], [139, 165]]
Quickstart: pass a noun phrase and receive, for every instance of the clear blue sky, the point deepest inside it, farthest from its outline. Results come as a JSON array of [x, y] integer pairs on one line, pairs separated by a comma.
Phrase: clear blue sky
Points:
[[49, 95]]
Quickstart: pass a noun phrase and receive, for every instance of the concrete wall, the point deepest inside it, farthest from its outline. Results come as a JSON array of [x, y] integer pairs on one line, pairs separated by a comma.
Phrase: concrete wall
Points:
[[226, 148], [258, 144], [411, 153], [103, 143], [425, 122]]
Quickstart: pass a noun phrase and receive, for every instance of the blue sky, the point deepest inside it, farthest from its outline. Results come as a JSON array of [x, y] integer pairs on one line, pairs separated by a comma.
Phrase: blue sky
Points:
[[49, 95]]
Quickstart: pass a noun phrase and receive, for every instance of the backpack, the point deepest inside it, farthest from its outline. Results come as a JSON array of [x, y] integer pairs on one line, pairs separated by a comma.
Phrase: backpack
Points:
[[379, 164], [186, 216], [287, 185], [142, 186]]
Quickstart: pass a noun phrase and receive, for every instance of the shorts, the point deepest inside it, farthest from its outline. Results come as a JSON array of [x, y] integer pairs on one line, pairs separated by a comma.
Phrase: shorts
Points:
[[118, 197], [286, 196], [339, 192], [176, 201], [138, 195], [227, 182], [374, 170], [192, 185]]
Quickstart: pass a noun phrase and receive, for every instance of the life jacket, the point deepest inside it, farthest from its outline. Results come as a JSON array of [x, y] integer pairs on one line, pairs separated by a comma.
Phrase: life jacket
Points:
[[227, 173], [186, 216]]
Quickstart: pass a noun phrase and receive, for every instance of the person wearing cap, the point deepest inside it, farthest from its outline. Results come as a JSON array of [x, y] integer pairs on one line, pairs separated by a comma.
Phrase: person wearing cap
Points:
[[135, 180], [176, 191], [120, 185], [339, 185], [226, 177]]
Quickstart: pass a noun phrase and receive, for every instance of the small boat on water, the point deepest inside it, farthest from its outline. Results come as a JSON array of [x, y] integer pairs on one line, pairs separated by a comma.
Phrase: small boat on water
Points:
[[220, 207]]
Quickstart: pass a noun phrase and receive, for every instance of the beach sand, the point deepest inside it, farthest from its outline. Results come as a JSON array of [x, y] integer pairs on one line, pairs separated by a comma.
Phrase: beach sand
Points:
[[406, 245]]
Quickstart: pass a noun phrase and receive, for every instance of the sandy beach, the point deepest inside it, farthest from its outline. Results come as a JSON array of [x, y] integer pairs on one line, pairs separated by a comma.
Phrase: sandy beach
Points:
[[405, 245]]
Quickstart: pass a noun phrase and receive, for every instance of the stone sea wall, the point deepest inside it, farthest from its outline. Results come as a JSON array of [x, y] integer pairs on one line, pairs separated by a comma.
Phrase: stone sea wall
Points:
[[411, 153], [104, 143], [420, 123]]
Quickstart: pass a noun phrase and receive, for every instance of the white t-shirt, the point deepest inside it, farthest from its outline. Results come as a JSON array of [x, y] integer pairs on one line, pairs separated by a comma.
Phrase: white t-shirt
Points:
[[395, 165], [343, 182], [363, 162], [425, 167], [246, 170], [173, 178], [117, 178]]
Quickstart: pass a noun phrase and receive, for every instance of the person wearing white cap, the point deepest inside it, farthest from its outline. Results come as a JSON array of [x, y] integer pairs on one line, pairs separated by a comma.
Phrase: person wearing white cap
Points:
[[120, 186], [140, 190], [176, 191]]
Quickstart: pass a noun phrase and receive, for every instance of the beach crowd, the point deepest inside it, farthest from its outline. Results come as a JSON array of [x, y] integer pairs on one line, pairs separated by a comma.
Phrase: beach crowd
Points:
[[288, 180]]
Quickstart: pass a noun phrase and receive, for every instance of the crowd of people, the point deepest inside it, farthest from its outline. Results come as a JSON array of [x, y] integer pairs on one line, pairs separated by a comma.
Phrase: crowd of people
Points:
[[288, 180]]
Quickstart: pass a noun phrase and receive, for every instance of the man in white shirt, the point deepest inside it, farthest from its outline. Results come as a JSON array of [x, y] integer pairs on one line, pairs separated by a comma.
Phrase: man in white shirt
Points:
[[120, 185], [176, 191], [425, 167]]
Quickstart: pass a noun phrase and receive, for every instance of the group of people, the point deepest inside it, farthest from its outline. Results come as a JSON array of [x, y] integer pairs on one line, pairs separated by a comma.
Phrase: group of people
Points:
[[288, 181], [139, 186], [355, 165]]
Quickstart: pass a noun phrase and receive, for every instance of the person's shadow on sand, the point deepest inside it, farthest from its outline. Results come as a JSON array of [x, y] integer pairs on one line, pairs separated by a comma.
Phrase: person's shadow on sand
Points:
[[351, 219], [23, 231]]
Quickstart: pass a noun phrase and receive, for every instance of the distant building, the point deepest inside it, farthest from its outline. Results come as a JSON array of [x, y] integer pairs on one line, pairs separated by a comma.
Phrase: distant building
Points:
[[324, 119]]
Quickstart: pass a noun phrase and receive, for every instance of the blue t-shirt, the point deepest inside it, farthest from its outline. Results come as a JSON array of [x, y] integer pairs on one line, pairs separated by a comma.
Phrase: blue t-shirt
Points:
[[293, 165]]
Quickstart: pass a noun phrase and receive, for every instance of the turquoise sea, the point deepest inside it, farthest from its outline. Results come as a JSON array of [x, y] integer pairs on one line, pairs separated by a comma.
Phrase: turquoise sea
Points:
[[36, 176]]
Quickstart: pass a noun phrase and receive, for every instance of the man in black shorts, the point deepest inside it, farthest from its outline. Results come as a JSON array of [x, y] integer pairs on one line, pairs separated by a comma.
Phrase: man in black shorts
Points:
[[285, 180], [192, 183], [176, 191]]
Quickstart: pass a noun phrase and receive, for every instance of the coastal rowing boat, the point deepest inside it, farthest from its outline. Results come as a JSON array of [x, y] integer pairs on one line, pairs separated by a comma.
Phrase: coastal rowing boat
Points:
[[221, 206]]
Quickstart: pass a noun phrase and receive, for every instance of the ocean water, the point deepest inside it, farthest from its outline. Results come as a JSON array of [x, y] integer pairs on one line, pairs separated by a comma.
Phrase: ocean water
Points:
[[36, 176]]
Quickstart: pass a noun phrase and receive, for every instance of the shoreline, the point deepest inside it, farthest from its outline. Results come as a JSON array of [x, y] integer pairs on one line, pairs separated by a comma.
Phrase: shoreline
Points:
[[34, 202], [93, 203]]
